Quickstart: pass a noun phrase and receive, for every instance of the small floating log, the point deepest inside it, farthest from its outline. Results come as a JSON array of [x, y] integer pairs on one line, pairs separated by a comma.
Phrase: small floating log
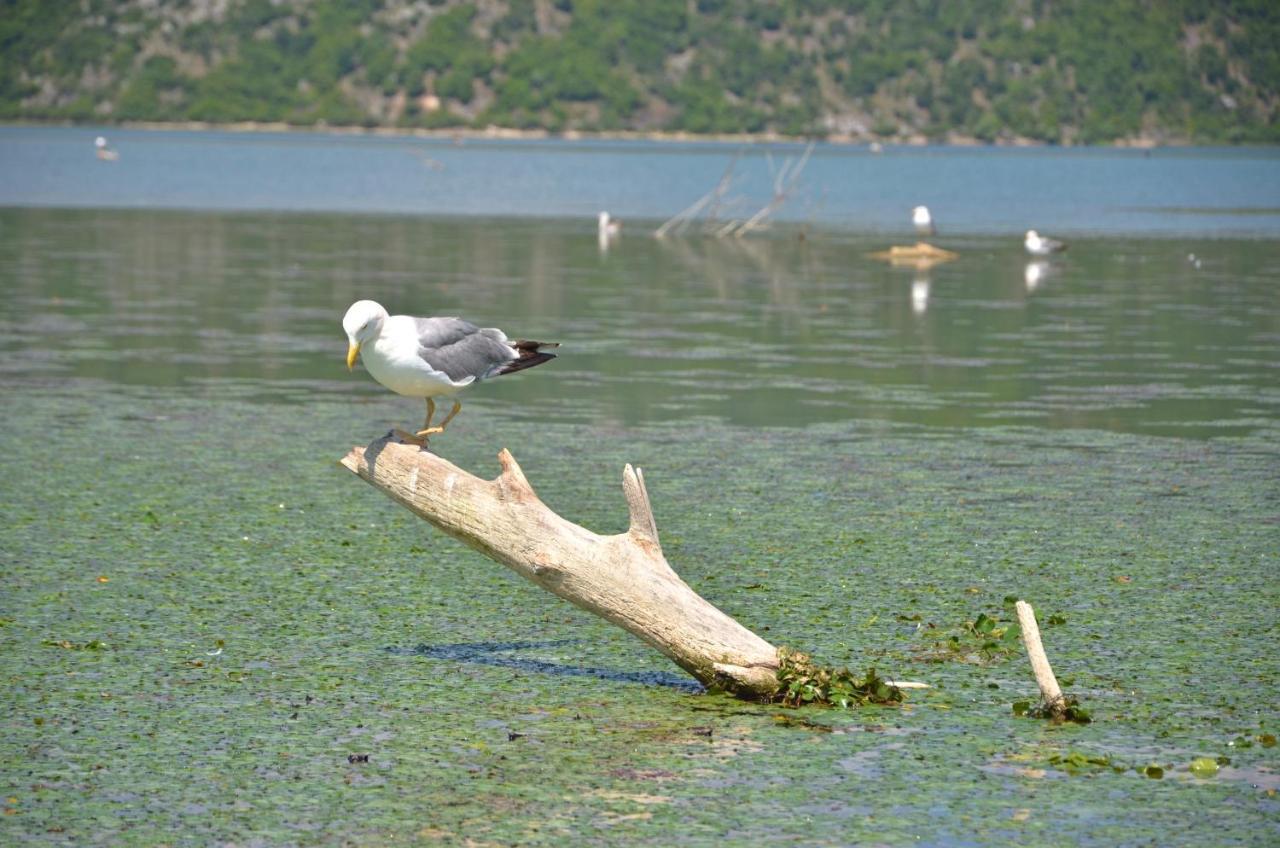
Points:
[[920, 255]]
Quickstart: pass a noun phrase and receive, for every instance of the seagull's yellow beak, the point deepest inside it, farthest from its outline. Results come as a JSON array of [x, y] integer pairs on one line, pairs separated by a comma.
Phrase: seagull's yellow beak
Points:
[[353, 350]]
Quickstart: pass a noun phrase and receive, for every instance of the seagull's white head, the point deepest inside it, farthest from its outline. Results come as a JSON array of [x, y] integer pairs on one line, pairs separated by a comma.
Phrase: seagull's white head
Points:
[[362, 324], [1032, 235], [920, 215], [100, 142]]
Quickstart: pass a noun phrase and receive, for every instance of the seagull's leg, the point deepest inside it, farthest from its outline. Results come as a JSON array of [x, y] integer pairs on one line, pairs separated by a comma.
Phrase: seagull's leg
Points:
[[431, 431], [431, 413], [457, 407]]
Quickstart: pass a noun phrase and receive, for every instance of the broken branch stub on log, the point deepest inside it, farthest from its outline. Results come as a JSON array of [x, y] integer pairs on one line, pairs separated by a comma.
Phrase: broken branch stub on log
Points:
[[624, 578]]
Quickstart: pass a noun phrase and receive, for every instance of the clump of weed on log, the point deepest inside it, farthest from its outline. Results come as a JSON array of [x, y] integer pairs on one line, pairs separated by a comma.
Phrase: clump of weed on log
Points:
[[802, 682], [1068, 711]]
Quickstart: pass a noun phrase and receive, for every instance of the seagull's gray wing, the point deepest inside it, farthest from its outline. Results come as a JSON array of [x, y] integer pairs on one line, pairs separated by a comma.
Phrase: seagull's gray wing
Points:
[[461, 349]]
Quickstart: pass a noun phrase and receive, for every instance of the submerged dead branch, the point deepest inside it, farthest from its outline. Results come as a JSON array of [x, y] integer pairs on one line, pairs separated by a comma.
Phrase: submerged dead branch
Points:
[[785, 180], [712, 199]]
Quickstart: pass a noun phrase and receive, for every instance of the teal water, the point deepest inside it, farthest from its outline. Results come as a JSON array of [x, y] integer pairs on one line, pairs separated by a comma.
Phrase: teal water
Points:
[[1170, 192], [204, 617]]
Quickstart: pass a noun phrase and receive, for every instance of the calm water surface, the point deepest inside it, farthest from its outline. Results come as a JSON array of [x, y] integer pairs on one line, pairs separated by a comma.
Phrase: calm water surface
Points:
[[203, 618], [1120, 334], [1177, 191]]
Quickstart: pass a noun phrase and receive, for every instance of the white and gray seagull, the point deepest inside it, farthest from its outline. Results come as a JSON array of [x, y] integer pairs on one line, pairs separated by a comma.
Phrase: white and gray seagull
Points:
[[923, 221], [1038, 245], [430, 357]]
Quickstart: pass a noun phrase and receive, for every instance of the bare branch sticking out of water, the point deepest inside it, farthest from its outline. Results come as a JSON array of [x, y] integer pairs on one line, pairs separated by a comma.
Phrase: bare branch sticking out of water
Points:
[[784, 183], [713, 199], [785, 180], [1054, 703]]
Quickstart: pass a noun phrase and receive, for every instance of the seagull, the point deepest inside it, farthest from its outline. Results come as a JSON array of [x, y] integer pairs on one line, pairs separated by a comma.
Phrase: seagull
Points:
[[607, 229], [924, 223], [429, 357], [104, 152], [1039, 246], [607, 226]]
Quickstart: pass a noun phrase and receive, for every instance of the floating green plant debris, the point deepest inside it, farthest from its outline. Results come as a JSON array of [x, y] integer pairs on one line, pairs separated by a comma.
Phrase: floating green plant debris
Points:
[[1204, 767], [1074, 761], [1071, 711], [801, 682], [1267, 740], [980, 641], [66, 644], [1153, 771]]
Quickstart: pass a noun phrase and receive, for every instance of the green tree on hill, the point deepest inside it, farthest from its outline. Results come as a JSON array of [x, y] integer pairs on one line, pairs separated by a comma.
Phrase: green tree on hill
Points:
[[1065, 72]]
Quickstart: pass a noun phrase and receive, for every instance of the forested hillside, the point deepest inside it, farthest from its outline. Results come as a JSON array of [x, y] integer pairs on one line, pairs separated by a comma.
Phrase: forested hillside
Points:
[[1092, 71]]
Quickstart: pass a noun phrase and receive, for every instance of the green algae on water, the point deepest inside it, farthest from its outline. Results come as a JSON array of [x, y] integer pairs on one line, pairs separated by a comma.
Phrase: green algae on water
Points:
[[802, 682]]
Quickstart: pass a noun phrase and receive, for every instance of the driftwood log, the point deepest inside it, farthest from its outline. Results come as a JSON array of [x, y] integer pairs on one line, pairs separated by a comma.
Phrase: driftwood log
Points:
[[624, 579]]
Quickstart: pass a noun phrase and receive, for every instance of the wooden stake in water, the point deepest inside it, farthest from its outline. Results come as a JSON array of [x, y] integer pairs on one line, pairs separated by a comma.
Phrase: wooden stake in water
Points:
[[1049, 689]]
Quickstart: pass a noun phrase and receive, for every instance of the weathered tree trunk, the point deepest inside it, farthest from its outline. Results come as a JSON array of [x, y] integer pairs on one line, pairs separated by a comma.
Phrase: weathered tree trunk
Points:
[[624, 578]]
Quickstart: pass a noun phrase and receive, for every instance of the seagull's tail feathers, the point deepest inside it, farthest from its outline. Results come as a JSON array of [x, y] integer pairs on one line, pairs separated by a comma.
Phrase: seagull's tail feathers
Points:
[[528, 354]]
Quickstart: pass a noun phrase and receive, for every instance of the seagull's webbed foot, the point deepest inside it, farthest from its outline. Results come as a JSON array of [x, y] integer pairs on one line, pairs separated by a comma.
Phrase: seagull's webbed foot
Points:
[[431, 431], [410, 438]]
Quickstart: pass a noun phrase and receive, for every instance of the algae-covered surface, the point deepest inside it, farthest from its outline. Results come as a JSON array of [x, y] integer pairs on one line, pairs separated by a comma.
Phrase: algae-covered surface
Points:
[[210, 633]]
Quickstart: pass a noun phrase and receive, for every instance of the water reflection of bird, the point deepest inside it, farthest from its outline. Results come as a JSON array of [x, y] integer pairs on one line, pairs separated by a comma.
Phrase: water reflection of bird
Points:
[[104, 151], [920, 294], [1035, 273], [923, 221], [429, 357], [607, 229], [1037, 245]]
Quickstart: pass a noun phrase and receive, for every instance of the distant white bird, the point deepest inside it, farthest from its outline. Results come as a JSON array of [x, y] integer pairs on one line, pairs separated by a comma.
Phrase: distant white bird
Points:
[[429, 357], [1193, 261], [923, 221], [607, 229], [104, 152], [1039, 246]]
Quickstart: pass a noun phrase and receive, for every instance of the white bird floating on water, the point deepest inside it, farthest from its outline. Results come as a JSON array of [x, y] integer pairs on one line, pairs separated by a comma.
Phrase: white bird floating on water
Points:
[[430, 357], [923, 221], [1037, 245], [607, 229], [104, 152]]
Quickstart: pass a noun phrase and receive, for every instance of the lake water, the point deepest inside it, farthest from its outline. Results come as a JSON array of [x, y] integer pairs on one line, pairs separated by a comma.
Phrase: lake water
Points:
[[204, 617], [1194, 192]]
